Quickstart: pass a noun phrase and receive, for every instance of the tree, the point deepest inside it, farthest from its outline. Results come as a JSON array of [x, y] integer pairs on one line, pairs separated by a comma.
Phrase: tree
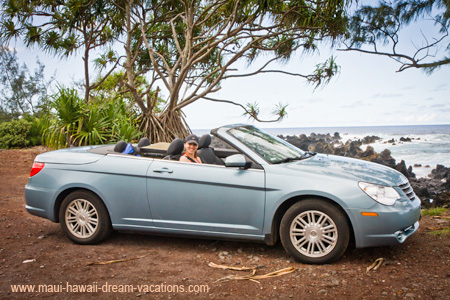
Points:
[[190, 46], [64, 27], [22, 92], [377, 26], [186, 46]]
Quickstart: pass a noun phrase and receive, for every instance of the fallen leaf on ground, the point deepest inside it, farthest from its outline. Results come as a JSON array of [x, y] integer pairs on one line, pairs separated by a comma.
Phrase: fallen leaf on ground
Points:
[[376, 264], [276, 273], [114, 261], [441, 217], [28, 261], [253, 276], [223, 267]]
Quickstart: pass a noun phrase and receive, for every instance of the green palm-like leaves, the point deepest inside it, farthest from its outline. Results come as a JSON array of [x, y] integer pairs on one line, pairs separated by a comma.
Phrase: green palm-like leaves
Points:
[[126, 130], [61, 120], [71, 122], [92, 128], [381, 24], [324, 72]]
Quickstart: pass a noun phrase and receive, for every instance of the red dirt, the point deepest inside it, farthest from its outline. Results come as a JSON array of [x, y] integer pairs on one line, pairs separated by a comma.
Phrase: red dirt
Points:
[[164, 266]]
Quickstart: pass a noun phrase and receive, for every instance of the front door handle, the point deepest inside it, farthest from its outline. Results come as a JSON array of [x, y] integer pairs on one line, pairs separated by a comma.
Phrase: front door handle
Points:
[[163, 170]]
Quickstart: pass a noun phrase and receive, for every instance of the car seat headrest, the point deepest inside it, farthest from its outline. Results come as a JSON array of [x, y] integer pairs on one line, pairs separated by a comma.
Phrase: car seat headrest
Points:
[[176, 147], [204, 141], [120, 146], [143, 142]]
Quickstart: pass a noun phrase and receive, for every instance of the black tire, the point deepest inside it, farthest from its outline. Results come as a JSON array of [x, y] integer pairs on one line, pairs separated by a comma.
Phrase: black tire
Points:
[[84, 218], [314, 231]]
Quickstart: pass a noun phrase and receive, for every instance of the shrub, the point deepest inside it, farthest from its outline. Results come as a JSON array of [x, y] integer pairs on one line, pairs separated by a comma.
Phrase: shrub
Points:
[[61, 121], [14, 134], [34, 135], [71, 122]]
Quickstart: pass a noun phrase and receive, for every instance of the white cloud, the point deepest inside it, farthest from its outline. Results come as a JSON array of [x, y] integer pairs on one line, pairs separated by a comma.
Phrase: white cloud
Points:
[[438, 105], [387, 95]]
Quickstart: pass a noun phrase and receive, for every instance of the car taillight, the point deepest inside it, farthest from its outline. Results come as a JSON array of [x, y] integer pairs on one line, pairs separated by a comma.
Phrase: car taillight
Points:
[[36, 168]]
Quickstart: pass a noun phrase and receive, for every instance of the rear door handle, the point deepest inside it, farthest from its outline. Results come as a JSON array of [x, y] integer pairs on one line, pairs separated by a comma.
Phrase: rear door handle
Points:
[[163, 170]]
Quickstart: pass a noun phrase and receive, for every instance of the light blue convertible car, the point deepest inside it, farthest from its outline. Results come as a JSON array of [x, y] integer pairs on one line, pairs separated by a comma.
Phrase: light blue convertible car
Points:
[[258, 188]]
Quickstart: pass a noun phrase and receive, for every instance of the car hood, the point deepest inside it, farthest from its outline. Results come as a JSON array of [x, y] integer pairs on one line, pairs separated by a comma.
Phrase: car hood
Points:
[[73, 156], [349, 168]]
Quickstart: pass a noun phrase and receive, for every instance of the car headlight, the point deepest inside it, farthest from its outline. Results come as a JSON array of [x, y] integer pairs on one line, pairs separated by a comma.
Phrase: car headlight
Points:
[[386, 195]]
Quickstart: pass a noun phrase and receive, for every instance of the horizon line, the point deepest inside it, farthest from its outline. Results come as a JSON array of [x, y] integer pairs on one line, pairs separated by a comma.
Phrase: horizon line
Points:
[[333, 126]]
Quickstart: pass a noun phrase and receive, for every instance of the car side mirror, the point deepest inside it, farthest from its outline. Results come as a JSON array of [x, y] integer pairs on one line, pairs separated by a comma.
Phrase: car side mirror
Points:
[[237, 160]]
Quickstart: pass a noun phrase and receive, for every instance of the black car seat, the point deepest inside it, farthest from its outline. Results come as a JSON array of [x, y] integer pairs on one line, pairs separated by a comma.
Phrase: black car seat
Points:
[[206, 153], [175, 150], [120, 146], [143, 142], [126, 148]]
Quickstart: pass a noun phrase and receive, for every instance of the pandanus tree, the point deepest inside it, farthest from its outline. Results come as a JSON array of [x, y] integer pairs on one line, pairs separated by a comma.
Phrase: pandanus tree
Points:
[[65, 28], [184, 48], [188, 47]]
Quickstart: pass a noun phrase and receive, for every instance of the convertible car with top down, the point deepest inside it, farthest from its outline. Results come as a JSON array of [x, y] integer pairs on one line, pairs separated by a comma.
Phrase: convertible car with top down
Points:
[[255, 188]]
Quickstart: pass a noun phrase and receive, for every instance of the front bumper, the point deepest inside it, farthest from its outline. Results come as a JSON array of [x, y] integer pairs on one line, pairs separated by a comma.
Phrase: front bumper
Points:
[[393, 225]]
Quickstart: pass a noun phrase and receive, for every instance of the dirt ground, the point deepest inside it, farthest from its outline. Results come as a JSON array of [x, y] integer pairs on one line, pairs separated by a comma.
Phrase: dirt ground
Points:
[[34, 253]]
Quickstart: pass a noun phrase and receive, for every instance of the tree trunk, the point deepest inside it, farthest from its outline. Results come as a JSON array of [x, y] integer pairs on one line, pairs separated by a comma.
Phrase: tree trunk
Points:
[[86, 74], [164, 127]]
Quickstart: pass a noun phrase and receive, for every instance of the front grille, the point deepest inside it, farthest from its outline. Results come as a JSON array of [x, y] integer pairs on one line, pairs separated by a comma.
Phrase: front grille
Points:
[[407, 189]]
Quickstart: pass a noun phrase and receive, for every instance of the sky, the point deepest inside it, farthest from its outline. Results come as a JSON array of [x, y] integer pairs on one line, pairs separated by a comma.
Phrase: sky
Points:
[[367, 92]]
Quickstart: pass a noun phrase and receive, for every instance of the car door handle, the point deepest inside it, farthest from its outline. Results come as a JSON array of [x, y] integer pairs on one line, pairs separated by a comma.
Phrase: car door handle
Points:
[[163, 170]]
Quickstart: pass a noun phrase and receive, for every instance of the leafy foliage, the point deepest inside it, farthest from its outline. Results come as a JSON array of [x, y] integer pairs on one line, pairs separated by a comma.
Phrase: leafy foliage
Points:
[[188, 46], [6, 116], [20, 133], [21, 92], [64, 27], [14, 134], [191, 46], [61, 119], [70, 121], [372, 27], [34, 135]]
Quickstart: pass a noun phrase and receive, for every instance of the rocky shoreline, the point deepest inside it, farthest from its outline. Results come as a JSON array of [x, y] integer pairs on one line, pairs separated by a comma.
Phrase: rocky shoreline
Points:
[[434, 191]]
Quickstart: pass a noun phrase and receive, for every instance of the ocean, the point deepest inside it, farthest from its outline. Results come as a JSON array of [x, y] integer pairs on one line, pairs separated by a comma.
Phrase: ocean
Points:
[[429, 146]]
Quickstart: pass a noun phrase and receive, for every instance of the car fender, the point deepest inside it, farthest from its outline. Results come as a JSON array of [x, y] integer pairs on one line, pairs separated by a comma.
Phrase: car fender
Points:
[[107, 179], [275, 210], [65, 190]]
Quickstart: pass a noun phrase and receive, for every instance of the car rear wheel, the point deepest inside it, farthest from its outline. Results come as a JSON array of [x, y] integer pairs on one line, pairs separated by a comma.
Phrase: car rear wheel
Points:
[[84, 218], [314, 231]]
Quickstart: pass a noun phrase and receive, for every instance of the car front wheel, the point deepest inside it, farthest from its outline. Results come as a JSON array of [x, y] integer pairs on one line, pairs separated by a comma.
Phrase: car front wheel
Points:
[[84, 218], [314, 231]]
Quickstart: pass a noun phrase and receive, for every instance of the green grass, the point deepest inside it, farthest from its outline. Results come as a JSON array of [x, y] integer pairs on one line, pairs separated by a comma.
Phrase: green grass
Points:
[[436, 211], [442, 231]]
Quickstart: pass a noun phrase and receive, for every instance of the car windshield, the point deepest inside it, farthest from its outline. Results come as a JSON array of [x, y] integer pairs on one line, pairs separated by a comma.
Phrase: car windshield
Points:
[[272, 149]]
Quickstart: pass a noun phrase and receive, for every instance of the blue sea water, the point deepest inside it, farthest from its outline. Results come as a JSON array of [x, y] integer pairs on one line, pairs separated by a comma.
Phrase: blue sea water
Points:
[[365, 130], [429, 146]]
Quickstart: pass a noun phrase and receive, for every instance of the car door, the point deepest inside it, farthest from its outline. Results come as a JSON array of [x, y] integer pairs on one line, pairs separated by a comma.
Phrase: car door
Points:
[[206, 198], [120, 180]]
